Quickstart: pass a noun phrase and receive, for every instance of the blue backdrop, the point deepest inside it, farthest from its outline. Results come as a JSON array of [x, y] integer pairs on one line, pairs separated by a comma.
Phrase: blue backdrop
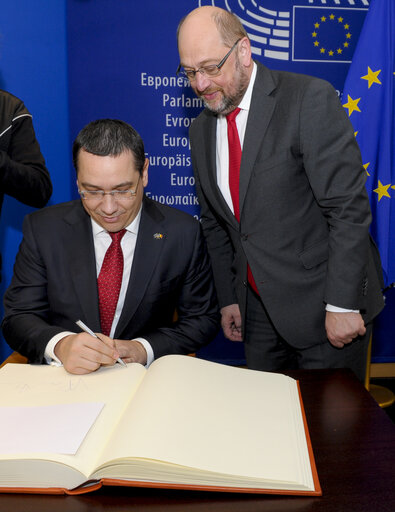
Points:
[[78, 60], [33, 66]]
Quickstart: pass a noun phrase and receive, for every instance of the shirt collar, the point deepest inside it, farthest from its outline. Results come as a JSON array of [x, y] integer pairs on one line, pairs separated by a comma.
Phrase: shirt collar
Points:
[[133, 227], [246, 101]]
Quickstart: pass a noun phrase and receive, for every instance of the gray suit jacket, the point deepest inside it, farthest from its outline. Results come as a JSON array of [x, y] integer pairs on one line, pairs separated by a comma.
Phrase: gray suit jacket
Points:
[[304, 210], [54, 282]]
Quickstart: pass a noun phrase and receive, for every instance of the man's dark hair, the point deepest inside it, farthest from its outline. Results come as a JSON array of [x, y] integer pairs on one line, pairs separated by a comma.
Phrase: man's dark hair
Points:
[[109, 137]]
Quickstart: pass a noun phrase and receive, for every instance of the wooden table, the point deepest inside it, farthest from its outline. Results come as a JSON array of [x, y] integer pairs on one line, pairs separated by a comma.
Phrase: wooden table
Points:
[[354, 447]]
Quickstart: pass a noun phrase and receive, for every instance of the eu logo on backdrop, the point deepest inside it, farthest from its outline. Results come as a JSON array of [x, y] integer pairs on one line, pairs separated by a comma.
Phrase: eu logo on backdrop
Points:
[[325, 34]]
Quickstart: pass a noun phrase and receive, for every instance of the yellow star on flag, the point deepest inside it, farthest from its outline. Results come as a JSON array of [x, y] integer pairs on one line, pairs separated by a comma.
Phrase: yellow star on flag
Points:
[[366, 168], [352, 105], [382, 190], [372, 77]]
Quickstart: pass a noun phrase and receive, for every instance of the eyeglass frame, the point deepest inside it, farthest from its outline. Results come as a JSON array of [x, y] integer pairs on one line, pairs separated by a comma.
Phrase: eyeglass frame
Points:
[[98, 195], [202, 69]]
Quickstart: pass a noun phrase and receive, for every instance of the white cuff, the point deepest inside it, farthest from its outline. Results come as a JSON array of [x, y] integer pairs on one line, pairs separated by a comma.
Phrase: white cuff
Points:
[[49, 353], [148, 349], [335, 309]]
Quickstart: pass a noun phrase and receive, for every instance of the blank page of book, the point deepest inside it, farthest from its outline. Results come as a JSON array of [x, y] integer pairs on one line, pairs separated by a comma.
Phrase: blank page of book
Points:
[[197, 414]]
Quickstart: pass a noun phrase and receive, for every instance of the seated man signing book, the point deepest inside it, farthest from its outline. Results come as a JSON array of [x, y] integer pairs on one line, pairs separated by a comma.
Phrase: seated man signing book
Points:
[[115, 259]]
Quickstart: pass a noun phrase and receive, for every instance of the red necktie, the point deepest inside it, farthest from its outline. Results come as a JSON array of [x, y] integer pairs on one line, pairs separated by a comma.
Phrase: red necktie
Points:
[[109, 281], [234, 160], [234, 174]]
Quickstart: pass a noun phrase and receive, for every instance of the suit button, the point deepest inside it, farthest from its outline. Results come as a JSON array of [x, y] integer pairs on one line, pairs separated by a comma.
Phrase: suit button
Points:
[[245, 283], [244, 237]]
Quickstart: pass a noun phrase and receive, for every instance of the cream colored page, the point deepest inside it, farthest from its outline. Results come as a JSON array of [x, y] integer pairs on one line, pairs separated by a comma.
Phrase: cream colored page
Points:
[[27, 385], [212, 417]]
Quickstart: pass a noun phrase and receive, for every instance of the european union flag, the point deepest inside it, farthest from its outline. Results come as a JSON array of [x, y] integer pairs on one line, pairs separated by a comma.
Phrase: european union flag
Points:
[[369, 98], [325, 34]]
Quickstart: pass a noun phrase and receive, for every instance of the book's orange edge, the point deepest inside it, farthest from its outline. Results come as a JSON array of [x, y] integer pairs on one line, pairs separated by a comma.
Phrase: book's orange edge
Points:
[[214, 488], [317, 485], [85, 488], [90, 487]]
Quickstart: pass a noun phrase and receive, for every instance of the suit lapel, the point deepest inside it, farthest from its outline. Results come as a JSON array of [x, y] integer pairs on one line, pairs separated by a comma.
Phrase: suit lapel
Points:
[[149, 245], [81, 256], [209, 179], [261, 111]]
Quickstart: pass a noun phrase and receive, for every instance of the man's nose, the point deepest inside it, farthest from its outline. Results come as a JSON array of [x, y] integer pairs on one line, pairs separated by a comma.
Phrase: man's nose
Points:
[[109, 204], [201, 81]]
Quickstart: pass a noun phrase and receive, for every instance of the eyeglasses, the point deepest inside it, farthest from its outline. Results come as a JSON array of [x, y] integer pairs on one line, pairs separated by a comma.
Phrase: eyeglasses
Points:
[[118, 195], [212, 70]]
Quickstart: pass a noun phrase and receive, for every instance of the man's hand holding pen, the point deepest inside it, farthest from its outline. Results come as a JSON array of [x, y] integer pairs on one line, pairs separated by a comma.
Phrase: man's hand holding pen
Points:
[[82, 353]]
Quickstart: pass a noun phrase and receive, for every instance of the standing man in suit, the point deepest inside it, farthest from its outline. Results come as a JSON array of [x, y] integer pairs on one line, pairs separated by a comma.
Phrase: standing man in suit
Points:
[[115, 259], [283, 204]]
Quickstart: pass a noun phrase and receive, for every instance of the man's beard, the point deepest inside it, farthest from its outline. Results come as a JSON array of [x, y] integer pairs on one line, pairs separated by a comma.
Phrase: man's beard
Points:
[[229, 103]]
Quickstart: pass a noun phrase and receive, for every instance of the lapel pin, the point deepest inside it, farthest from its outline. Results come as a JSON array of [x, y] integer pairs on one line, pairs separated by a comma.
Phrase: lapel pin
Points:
[[158, 236]]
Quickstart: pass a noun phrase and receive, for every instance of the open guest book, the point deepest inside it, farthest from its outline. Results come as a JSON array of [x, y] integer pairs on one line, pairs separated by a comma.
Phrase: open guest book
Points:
[[184, 423]]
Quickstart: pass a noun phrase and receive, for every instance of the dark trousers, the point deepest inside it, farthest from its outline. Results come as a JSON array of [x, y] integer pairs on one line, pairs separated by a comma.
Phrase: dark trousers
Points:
[[266, 350]]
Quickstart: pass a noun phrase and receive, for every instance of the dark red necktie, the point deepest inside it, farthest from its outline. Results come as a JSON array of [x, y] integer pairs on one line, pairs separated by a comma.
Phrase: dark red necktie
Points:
[[234, 160], [109, 281], [234, 174]]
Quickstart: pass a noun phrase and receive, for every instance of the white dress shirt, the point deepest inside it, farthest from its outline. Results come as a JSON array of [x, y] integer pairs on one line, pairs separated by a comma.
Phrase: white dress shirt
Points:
[[222, 149], [102, 241]]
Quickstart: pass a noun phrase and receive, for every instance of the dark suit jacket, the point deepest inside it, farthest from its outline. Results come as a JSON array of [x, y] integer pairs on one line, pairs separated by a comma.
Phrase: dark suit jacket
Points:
[[23, 174], [304, 210], [54, 282]]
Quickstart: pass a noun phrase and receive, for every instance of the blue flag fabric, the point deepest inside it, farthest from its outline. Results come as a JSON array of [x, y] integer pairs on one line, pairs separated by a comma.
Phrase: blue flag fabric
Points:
[[368, 96], [328, 34]]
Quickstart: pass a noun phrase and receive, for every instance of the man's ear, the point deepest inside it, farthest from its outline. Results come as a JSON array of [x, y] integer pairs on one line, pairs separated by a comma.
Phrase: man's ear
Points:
[[144, 175], [245, 52]]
